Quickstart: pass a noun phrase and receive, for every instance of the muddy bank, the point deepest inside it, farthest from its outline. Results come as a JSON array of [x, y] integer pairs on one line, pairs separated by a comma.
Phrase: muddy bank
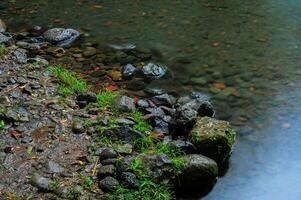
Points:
[[62, 138]]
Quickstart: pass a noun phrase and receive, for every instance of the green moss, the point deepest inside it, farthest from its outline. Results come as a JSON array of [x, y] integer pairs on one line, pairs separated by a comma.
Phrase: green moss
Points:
[[3, 50], [69, 82], [106, 99], [141, 125], [2, 124], [178, 164]]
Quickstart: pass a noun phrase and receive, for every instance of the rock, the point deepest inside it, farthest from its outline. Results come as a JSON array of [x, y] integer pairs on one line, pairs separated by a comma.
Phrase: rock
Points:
[[142, 104], [27, 45], [124, 149], [110, 161], [16, 115], [109, 184], [183, 145], [54, 167], [78, 128], [4, 38], [61, 36], [200, 96], [163, 100], [88, 97], [40, 182], [160, 125], [183, 121], [129, 180], [106, 153], [156, 112], [122, 133], [213, 138], [89, 51], [2, 26], [199, 173], [136, 85], [38, 60], [128, 71], [122, 46], [124, 103], [125, 121], [20, 55], [198, 81], [157, 166], [153, 72], [154, 91], [106, 170]]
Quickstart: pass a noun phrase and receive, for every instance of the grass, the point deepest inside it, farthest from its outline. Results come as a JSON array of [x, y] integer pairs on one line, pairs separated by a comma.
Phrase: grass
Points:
[[86, 182], [141, 125], [3, 50], [69, 82], [2, 124], [148, 190], [54, 184], [106, 99], [178, 164]]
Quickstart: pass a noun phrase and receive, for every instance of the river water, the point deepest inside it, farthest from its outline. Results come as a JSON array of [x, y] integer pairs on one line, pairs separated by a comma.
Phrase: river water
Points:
[[244, 54]]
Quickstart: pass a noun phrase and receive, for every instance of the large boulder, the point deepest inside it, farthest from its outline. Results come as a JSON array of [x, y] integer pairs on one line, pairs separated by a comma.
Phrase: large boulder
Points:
[[199, 173], [213, 138]]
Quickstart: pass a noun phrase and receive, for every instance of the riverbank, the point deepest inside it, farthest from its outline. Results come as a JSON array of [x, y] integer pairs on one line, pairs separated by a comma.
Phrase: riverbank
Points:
[[62, 138]]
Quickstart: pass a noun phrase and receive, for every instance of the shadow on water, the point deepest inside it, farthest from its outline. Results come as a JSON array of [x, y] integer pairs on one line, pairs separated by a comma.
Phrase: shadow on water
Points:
[[250, 48]]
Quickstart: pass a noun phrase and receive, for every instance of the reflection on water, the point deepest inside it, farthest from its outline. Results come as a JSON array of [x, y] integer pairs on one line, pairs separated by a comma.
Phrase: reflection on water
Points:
[[245, 54]]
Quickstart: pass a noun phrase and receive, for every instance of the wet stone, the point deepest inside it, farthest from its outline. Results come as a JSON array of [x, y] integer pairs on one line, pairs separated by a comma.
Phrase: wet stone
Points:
[[141, 103], [89, 97], [129, 180], [124, 103], [122, 133], [106, 153], [78, 128], [61, 36], [153, 71], [128, 71], [108, 184], [20, 55], [154, 91], [5, 38], [163, 99], [110, 161], [161, 126], [106, 170], [89, 51]]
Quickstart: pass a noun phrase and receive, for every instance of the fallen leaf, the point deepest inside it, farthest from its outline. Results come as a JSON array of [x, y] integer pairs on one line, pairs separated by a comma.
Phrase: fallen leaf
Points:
[[219, 85], [111, 88]]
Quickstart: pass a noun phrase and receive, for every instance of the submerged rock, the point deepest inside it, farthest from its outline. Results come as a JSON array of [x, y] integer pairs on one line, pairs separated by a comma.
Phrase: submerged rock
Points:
[[199, 173], [153, 71], [61, 36], [213, 138]]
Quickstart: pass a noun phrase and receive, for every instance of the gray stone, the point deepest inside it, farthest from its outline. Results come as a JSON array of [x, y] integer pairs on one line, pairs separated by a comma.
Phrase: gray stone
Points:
[[124, 103], [106, 153], [122, 133], [106, 170], [198, 172], [128, 71], [61, 36], [109, 184], [40, 182], [78, 128], [153, 71], [129, 180]]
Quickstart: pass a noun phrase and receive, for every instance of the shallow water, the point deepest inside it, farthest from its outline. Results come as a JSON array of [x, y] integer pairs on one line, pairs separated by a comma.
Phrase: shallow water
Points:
[[252, 47]]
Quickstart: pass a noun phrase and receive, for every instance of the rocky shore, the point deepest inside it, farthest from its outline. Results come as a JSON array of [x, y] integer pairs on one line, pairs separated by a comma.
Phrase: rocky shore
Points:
[[61, 138]]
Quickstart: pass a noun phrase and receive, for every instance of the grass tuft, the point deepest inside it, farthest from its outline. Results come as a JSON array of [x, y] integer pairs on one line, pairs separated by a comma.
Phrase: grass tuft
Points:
[[106, 99], [69, 82], [3, 50]]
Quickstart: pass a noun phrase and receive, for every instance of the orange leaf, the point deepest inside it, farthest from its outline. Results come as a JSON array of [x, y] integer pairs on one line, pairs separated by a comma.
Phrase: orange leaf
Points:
[[136, 98], [219, 85], [111, 88]]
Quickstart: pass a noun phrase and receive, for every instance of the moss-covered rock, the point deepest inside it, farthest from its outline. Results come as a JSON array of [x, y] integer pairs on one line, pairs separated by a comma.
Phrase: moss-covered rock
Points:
[[198, 175], [213, 138]]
